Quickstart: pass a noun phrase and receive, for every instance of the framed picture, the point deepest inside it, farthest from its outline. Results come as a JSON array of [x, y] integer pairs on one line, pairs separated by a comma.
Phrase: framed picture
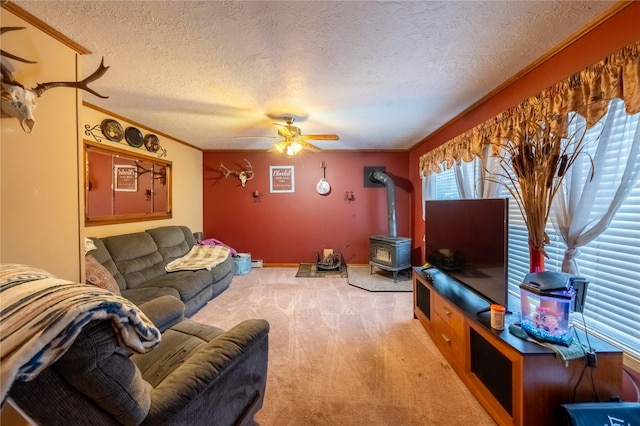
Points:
[[281, 179], [126, 178]]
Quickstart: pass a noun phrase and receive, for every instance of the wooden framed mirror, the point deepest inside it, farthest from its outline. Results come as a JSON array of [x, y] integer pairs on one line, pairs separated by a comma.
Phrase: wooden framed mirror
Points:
[[121, 186]]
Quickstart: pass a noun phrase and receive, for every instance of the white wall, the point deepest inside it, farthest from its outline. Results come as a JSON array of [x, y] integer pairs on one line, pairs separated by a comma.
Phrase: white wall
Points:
[[39, 209]]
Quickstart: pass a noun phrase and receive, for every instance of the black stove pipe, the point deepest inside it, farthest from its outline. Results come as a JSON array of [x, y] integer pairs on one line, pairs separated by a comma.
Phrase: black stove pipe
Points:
[[382, 177]]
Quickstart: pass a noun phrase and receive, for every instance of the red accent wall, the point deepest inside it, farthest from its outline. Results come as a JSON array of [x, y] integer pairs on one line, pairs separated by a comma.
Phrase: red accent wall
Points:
[[292, 227], [611, 35]]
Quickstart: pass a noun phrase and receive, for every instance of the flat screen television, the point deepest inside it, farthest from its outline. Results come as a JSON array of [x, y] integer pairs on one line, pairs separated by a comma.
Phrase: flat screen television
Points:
[[468, 241]]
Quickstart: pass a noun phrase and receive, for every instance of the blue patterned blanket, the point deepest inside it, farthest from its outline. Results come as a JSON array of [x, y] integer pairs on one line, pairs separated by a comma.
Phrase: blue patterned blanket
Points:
[[41, 315]]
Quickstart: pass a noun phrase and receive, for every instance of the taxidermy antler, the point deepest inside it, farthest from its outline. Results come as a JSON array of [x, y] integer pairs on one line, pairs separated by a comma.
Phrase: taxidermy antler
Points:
[[19, 102], [243, 175]]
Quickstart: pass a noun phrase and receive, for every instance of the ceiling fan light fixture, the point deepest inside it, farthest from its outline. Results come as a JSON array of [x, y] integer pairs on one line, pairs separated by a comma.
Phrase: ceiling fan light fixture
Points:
[[293, 141], [288, 147], [281, 147], [294, 148]]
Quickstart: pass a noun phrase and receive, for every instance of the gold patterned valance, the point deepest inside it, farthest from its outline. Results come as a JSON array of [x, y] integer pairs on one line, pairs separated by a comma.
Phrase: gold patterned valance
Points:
[[587, 93]]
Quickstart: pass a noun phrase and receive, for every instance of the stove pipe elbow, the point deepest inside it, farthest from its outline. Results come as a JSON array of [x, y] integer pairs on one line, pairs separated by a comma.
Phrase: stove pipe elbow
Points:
[[382, 177]]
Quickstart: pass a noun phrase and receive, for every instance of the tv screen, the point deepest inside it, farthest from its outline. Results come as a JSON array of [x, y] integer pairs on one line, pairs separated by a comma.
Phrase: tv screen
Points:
[[467, 240]]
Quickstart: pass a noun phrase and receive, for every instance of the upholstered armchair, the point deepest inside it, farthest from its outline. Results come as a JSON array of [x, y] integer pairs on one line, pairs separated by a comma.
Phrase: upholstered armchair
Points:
[[198, 375]]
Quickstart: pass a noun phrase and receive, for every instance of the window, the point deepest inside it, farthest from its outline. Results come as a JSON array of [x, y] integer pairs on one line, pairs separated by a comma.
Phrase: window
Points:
[[611, 262]]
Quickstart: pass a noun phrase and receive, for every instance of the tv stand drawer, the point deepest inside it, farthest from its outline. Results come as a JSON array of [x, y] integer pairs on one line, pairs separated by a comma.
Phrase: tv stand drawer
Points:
[[449, 315], [449, 341]]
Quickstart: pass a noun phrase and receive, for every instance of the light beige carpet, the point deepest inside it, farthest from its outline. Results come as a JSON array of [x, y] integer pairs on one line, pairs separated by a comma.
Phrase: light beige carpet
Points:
[[361, 276], [343, 356]]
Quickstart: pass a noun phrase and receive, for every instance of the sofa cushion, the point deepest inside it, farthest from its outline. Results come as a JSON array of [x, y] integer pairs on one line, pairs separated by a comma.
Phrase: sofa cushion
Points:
[[136, 256], [189, 236], [178, 344], [99, 276], [187, 283], [171, 241], [140, 295], [222, 270], [164, 311], [99, 368]]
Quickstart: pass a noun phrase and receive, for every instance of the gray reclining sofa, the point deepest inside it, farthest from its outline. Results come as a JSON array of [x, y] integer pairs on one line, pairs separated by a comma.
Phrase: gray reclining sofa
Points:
[[137, 261]]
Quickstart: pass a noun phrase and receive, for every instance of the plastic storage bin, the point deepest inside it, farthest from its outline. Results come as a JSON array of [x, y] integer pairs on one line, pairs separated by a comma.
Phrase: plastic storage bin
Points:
[[243, 263], [546, 315]]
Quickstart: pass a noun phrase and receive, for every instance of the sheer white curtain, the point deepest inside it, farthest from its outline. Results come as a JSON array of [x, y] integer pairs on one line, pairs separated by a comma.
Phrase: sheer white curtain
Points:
[[466, 181], [584, 207], [428, 190], [476, 179]]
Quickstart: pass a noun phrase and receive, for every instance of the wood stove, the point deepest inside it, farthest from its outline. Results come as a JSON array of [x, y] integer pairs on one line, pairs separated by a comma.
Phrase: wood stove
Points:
[[389, 252]]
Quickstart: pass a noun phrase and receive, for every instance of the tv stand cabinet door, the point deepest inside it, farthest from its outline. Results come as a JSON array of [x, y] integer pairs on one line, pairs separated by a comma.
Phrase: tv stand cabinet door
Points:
[[527, 388], [423, 302]]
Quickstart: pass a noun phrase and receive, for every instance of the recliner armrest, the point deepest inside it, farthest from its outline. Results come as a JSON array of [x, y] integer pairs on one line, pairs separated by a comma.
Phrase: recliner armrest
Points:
[[219, 382], [164, 311]]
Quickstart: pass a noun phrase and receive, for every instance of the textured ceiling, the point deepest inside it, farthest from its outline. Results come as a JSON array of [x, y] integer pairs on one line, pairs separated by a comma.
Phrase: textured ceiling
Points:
[[382, 75]]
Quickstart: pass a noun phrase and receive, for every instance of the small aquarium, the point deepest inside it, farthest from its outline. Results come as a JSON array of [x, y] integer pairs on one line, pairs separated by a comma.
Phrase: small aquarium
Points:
[[546, 314]]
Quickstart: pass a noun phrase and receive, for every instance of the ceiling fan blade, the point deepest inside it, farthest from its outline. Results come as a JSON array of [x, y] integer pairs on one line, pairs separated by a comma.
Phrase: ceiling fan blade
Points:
[[310, 147], [284, 131], [321, 137]]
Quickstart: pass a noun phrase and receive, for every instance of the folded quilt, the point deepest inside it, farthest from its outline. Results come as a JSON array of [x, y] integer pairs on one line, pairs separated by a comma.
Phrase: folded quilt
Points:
[[199, 257], [41, 315]]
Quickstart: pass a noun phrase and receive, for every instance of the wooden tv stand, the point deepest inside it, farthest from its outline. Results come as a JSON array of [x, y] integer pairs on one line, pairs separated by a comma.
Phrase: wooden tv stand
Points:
[[517, 382]]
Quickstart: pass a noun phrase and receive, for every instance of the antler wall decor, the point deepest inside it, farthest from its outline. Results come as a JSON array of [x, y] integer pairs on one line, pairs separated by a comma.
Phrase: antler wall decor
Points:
[[18, 102], [160, 175], [243, 175]]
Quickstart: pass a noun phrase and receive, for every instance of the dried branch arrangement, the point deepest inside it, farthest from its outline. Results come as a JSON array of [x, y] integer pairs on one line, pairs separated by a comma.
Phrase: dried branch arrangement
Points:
[[534, 160]]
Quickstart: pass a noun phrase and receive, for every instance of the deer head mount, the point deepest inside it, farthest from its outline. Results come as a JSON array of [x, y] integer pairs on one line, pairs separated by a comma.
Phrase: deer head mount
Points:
[[243, 175], [18, 102]]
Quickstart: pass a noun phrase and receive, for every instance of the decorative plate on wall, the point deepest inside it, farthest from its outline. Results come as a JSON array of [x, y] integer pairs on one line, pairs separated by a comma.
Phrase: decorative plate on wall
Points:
[[133, 137], [112, 130], [151, 142]]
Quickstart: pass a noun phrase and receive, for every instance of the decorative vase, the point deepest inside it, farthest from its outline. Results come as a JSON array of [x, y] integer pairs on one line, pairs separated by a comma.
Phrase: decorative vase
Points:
[[536, 258]]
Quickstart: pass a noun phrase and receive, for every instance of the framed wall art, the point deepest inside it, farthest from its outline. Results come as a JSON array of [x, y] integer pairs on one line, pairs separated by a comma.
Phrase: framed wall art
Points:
[[281, 179], [126, 178]]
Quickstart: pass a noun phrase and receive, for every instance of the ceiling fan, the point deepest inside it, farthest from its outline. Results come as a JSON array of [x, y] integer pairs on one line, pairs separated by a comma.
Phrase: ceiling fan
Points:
[[293, 141]]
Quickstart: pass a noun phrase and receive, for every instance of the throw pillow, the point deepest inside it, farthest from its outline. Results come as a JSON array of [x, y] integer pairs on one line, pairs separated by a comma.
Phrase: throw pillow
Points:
[[99, 276]]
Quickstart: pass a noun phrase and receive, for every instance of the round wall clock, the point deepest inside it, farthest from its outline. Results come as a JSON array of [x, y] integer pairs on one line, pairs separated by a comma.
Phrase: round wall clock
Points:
[[323, 186]]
